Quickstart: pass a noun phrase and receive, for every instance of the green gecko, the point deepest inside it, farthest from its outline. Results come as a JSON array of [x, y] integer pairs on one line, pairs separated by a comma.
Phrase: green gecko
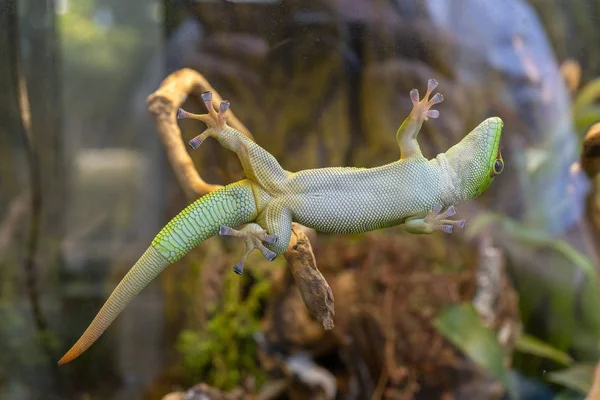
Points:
[[411, 191]]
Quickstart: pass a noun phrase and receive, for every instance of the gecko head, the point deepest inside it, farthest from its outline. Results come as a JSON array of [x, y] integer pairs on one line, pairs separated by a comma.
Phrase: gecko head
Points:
[[477, 159]]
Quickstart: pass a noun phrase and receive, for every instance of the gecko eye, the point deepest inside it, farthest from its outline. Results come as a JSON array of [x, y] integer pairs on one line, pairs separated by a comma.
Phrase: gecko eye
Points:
[[498, 166]]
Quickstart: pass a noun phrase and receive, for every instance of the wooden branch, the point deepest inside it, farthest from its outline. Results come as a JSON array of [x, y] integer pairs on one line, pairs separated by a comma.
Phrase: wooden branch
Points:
[[315, 292], [163, 105]]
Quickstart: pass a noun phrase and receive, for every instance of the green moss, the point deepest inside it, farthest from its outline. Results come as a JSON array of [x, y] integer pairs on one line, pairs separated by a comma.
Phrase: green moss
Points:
[[224, 352]]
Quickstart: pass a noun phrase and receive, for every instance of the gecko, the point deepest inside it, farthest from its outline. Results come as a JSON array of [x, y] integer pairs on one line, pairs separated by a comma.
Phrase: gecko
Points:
[[419, 193]]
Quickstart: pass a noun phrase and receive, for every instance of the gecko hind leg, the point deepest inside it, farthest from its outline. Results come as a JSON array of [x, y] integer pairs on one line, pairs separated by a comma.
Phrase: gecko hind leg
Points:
[[253, 235], [434, 221], [277, 219]]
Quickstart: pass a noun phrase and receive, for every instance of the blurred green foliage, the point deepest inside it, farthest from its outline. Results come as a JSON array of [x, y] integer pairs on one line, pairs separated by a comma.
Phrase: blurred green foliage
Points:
[[107, 47], [530, 345], [100, 49], [578, 377], [462, 326], [563, 283]]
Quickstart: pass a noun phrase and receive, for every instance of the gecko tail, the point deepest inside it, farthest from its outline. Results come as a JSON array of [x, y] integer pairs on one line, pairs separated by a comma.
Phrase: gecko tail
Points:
[[232, 205], [150, 264]]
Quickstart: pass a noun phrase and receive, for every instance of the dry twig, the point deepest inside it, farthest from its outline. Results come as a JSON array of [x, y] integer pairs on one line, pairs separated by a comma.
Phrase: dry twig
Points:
[[163, 105]]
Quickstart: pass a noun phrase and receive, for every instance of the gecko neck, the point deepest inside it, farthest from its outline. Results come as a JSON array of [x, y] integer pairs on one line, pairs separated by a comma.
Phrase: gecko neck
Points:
[[452, 180]]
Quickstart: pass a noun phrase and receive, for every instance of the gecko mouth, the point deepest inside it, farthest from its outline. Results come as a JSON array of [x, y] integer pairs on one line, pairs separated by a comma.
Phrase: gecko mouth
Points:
[[497, 163]]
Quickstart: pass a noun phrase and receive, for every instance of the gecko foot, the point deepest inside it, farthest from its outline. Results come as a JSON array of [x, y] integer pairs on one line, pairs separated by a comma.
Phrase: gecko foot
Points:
[[437, 221], [253, 234], [212, 120], [422, 108]]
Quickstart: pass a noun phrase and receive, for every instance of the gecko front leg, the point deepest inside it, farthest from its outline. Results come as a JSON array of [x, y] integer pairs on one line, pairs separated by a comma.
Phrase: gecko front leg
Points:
[[259, 165], [433, 221], [408, 131]]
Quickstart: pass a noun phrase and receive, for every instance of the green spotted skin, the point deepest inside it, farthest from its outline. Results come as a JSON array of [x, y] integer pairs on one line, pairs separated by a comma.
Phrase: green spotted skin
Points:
[[232, 205]]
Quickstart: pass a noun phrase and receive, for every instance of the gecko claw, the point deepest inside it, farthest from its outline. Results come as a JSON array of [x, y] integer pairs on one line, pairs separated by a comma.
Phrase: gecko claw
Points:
[[421, 108], [196, 142], [446, 228], [224, 106], [226, 231], [253, 235], [433, 113], [269, 255], [438, 98], [270, 239], [181, 113], [207, 100], [213, 119], [206, 96], [414, 96], [238, 268], [439, 221], [449, 212], [431, 84]]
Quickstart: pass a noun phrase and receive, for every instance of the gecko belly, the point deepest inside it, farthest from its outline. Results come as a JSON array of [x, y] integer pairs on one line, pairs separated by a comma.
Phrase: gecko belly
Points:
[[352, 213]]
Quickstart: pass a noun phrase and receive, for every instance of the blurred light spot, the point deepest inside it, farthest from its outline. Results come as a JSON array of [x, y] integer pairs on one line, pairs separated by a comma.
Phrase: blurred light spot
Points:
[[155, 12], [61, 6], [103, 17], [575, 168]]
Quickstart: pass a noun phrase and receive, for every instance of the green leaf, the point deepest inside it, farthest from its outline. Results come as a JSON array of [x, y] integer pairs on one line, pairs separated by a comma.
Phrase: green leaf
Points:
[[461, 325], [587, 95], [531, 345], [577, 377]]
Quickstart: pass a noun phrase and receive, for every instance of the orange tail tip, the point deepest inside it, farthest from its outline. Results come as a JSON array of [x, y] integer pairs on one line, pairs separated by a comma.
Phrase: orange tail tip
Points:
[[147, 268], [68, 357]]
